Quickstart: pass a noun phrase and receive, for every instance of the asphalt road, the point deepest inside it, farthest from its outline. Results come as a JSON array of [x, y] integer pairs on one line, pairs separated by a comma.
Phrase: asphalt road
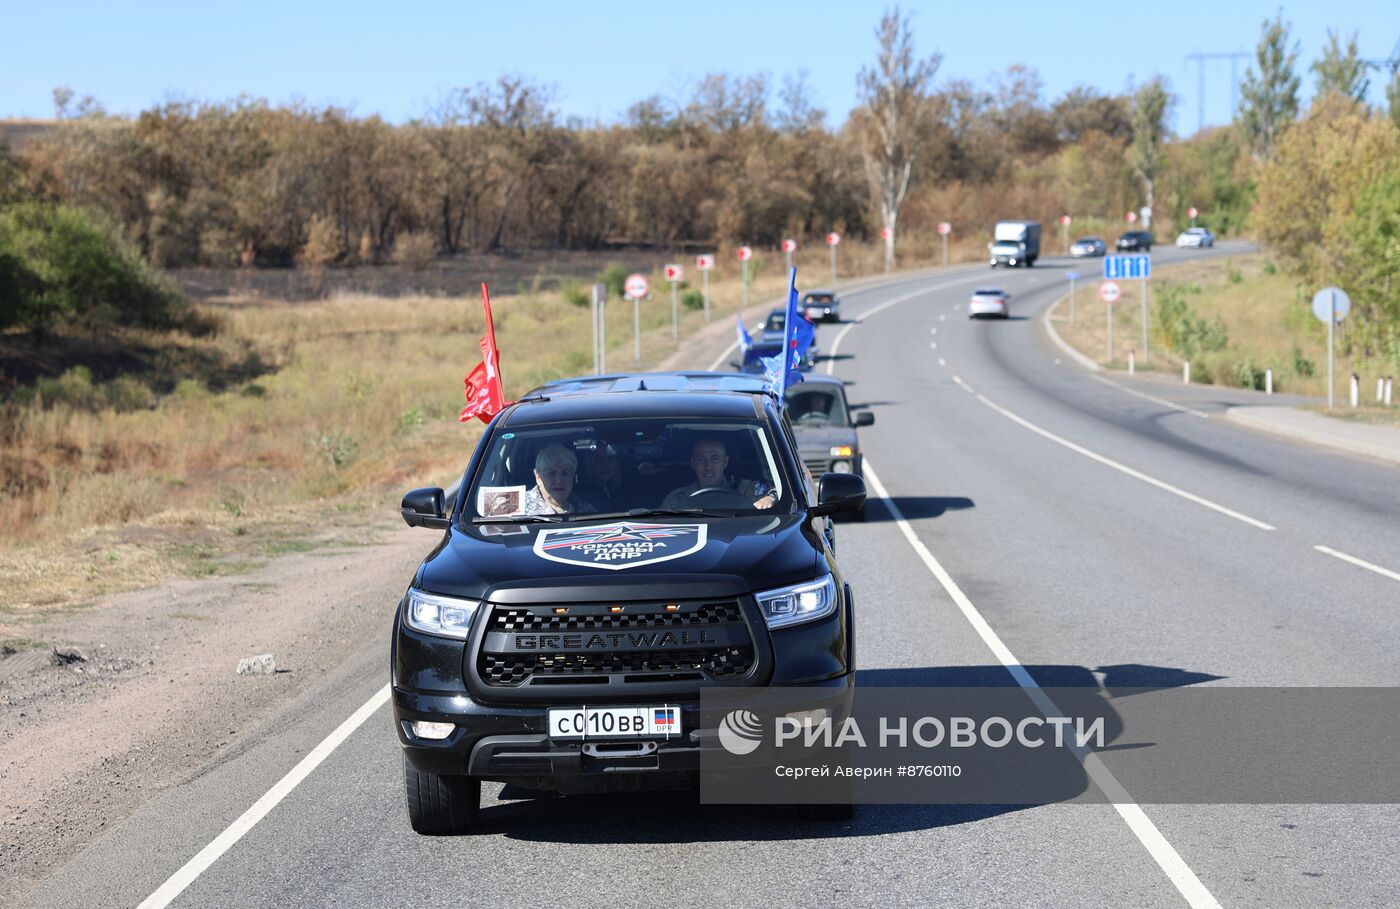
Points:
[[1084, 528]]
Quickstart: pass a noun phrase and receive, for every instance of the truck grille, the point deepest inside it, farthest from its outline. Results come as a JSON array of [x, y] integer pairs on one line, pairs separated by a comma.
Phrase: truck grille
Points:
[[816, 465], [540, 645]]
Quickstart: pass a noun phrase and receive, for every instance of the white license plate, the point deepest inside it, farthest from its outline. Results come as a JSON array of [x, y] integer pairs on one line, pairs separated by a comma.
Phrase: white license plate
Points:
[[614, 722]]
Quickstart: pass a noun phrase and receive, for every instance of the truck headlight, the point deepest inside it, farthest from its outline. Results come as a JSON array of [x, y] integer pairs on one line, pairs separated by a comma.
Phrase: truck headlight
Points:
[[800, 603], [841, 451], [431, 614]]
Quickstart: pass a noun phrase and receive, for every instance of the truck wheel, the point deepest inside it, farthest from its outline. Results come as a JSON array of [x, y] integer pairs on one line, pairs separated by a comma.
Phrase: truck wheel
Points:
[[441, 804]]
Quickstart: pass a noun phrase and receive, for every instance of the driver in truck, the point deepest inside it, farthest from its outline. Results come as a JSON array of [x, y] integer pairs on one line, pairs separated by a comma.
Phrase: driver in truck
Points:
[[709, 459]]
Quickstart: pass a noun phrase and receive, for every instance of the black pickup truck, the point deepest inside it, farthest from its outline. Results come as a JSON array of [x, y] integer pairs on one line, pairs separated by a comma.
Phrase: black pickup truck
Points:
[[617, 544]]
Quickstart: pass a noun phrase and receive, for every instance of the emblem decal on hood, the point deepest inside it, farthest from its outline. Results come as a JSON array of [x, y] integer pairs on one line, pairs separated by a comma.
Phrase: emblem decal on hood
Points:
[[626, 544]]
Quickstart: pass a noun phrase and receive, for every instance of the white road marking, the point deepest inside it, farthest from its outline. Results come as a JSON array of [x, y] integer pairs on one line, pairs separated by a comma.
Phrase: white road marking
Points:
[[933, 345], [963, 385], [196, 866], [1362, 563], [1123, 468], [941, 317], [1166, 856], [933, 330], [942, 362], [1153, 398], [841, 335]]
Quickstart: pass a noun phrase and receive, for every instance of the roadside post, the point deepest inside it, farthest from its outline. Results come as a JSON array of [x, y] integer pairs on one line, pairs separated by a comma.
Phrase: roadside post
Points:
[[833, 239], [637, 287], [1073, 276], [1268, 380], [600, 329], [745, 254], [1064, 231], [1389, 386], [1109, 293], [675, 274], [789, 247], [1331, 305], [1138, 265], [1186, 373], [1355, 390], [1191, 213], [1380, 390], [705, 263], [945, 229]]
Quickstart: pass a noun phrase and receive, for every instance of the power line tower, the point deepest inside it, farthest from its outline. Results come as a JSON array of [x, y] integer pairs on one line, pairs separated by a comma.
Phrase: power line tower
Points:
[[1200, 58], [1393, 64]]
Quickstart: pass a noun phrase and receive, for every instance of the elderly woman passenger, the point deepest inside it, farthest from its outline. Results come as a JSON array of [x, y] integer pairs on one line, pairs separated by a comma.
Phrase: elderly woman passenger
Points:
[[555, 472]]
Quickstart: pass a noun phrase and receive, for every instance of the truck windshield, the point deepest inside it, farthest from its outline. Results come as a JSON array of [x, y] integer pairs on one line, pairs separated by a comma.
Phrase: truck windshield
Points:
[[815, 406], [566, 471], [1009, 233]]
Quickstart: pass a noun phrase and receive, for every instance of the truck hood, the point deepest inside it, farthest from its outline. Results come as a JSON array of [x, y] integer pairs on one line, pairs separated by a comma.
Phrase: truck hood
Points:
[[627, 559], [818, 440]]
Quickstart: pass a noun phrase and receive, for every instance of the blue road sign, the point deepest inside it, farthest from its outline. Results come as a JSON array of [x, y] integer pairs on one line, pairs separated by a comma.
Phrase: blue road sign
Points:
[[1117, 268], [1071, 276]]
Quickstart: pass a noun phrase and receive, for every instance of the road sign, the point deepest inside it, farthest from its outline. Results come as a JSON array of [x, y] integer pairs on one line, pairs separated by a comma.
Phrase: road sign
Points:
[[636, 287], [945, 228], [886, 233], [833, 238], [745, 253], [1325, 301], [1191, 212], [1131, 217], [1109, 292], [789, 245], [705, 263], [675, 273], [1071, 276], [1119, 267], [1064, 220]]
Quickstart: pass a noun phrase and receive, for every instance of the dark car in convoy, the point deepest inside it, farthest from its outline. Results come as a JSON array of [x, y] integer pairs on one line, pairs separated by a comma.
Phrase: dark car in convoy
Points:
[[769, 343], [825, 427], [821, 306], [555, 642], [1135, 241]]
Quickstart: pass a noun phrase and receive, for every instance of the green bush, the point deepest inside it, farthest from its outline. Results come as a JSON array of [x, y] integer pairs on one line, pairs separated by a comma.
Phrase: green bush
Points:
[[1302, 366], [615, 277], [693, 299], [1182, 332], [60, 268], [1247, 375], [575, 293]]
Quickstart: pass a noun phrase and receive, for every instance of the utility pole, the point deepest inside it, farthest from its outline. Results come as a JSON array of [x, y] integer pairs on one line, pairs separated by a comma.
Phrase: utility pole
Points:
[[1234, 57]]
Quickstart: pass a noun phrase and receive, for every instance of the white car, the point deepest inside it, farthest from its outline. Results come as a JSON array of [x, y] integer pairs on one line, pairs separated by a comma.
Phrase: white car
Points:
[[1197, 237], [989, 301]]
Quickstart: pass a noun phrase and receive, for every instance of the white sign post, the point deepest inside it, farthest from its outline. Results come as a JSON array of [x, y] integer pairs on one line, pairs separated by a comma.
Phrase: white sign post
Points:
[[600, 329], [789, 247], [1109, 293], [887, 234], [705, 263], [1191, 213], [1072, 276], [1331, 305], [945, 229], [675, 274], [1064, 231], [745, 254], [833, 239], [637, 287]]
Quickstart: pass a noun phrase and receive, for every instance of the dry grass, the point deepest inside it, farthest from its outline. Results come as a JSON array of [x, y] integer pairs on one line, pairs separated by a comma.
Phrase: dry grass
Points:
[[356, 402], [1268, 321]]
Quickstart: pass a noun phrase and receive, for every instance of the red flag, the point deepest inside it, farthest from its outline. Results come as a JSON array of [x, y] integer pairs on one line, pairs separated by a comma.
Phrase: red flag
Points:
[[486, 395]]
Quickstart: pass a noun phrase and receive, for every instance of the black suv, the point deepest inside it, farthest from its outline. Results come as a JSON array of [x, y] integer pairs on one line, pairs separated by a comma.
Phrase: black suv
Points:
[[1135, 241], [616, 545]]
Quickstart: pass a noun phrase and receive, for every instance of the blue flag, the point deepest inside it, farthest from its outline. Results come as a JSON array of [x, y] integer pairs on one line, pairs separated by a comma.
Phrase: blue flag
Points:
[[745, 340], [797, 338]]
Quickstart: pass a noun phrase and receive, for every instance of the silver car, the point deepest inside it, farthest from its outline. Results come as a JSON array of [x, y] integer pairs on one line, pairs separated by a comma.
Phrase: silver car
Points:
[[1085, 247], [1196, 237], [989, 301]]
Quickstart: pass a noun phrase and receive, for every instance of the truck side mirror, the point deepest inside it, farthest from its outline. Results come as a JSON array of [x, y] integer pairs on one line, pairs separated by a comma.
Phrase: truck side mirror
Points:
[[424, 508], [865, 418], [838, 492]]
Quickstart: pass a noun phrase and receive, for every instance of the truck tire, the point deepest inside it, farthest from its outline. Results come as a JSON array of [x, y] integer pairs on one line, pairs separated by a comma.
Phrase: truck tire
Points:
[[441, 804]]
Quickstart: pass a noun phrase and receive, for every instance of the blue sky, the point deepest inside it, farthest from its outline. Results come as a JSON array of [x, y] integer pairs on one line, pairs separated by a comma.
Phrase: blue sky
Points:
[[396, 59]]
